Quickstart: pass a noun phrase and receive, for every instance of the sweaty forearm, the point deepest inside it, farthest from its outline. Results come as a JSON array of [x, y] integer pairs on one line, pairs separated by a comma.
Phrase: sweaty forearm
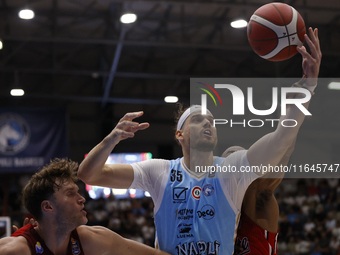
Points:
[[92, 166], [290, 123], [273, 147]]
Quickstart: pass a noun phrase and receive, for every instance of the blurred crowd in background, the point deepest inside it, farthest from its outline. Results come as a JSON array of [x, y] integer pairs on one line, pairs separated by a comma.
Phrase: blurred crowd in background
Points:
[[309, 220]]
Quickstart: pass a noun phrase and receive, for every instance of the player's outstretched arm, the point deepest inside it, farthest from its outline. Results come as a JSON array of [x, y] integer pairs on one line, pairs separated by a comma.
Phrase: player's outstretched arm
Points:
[[14, 246], [93, 169], [100, 240], [270, 149]]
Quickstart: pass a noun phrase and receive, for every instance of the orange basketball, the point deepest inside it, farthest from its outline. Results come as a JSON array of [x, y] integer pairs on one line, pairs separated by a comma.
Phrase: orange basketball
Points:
[[274, 31]]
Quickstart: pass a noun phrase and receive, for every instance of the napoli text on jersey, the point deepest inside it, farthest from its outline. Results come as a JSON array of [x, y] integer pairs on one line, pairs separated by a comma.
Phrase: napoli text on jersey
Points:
[[195, 216]]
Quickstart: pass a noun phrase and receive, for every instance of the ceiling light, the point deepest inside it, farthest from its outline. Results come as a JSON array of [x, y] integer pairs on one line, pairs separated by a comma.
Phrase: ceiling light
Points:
[[334, 85], [17, 92], [26, 14], [171, 99], [239, 23], [128, 18], [1, 45]]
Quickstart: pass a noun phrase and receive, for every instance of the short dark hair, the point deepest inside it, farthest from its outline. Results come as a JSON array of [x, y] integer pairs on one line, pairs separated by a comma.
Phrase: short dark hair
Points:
[[42, 184], [180, 110]]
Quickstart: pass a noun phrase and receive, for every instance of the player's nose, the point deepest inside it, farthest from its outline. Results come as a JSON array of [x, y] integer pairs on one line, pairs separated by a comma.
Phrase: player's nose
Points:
[[81, 200], [207, 123]]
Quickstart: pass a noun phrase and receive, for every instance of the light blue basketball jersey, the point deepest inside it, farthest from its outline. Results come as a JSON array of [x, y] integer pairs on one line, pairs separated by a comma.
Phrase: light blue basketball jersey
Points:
[[195, 216]]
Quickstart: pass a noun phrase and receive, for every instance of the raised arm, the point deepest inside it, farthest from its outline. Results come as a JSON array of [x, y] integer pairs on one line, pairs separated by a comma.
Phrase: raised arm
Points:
[[100, 240], [271, 148], [93, 169]]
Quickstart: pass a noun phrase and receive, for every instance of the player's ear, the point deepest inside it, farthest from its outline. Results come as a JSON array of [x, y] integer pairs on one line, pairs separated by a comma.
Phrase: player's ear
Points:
[[179, 135], [46, 206]]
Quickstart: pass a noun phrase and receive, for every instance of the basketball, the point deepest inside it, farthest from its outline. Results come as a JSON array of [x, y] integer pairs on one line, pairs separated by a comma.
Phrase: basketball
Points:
[[275, 30]]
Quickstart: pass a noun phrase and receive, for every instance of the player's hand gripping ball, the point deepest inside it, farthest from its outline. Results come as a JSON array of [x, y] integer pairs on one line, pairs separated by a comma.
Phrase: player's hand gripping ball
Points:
[[275, 30]]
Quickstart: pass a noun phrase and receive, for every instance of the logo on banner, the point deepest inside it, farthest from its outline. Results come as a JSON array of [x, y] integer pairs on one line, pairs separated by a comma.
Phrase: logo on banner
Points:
[[239, 100], [14, 133], [213, 90]]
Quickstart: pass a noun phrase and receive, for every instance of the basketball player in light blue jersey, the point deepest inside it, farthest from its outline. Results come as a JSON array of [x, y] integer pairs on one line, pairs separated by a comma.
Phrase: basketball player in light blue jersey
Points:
[[196, 211]]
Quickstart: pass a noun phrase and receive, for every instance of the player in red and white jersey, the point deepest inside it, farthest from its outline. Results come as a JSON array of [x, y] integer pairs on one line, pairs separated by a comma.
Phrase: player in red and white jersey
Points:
[[52, 197]]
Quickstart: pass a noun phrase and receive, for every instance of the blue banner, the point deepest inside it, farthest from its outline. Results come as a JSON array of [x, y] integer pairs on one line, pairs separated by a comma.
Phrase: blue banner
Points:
[[31, 137]]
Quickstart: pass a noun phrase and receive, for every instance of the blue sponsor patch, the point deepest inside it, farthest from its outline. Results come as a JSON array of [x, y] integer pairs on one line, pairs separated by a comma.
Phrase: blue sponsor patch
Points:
[[75, 247], [208, 190], [38, 248]]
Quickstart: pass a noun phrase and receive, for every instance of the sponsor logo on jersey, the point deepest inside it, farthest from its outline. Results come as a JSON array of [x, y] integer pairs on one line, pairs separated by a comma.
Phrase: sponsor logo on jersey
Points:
[[184, 214], [211, 174], [184, 230], [75, 247], [208, 190], [38, 248], [196, 192], [179, 194], [207, 212], [242, 245], [200, 247]]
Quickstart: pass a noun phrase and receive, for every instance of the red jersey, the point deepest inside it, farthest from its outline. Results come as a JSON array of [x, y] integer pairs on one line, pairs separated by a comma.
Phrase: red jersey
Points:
[[38, 246], [254, 239]]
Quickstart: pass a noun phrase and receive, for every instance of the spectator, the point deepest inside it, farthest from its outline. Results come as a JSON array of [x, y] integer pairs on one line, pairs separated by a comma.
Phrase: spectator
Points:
[[324, 191], [316, 251], [292, 215], [112, 204], [297, 227], [289, 199], [320, 215], [140, 219], [300, 198], [125, 204], [148, 230], [137, 236], [101, 215], [309, 225], [333, 183], [115, 222], [281, 247], [334, 245], [330, 223], [291, 246], [336, 230], [305, 208], [302, 246], [324, 244], [312, 188]]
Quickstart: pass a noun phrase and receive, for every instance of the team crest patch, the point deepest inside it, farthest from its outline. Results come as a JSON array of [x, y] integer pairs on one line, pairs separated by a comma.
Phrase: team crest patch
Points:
[[208, 190], [196, 192], [75, 247], [38, 248]]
